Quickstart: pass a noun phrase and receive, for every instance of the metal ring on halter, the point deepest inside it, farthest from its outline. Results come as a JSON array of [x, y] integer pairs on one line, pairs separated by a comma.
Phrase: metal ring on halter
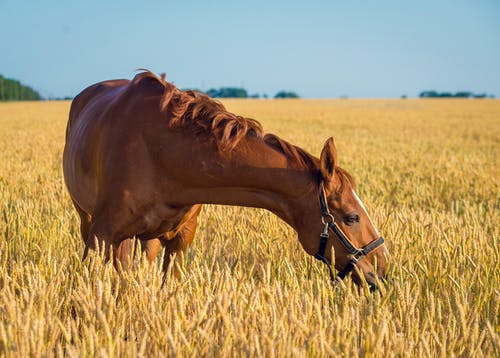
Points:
[[356, 257], [327, 219]]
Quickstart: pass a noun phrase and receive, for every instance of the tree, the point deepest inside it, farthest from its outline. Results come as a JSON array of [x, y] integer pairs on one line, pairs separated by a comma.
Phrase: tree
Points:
[[13, 90], [227, 92], [428, 94], [286, 94]]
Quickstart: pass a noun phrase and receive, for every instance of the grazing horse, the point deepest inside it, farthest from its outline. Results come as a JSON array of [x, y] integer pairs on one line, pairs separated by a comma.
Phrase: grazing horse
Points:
[[141, 157]]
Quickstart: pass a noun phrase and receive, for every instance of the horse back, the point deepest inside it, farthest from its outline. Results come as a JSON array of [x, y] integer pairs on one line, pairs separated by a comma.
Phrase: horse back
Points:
[[90, 93]]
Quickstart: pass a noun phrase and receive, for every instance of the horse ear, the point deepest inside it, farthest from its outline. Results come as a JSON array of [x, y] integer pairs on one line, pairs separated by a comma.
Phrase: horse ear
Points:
[[328, 160]]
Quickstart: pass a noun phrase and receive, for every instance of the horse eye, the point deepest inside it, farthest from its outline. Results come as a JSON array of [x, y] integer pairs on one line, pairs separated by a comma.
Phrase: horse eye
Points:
[[351, 219]]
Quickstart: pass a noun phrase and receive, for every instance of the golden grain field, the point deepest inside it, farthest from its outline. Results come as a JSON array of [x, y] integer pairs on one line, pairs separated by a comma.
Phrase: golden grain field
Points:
[[428, 171]]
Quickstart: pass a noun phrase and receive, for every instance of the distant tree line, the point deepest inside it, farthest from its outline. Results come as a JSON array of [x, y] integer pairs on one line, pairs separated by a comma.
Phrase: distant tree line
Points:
[[236, 92], [461, 94], [13, 90], [227, 92]]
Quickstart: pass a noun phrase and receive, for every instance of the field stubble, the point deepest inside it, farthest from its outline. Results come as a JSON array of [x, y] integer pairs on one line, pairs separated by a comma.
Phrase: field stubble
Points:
[[427, 170]]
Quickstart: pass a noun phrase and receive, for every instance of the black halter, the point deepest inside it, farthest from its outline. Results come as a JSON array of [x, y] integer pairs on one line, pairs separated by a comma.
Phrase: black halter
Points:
[[329, 223]]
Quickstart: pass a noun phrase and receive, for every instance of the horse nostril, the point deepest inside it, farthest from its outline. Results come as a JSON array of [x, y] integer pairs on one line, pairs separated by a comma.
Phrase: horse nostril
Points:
[[371, 280], [373, 286]]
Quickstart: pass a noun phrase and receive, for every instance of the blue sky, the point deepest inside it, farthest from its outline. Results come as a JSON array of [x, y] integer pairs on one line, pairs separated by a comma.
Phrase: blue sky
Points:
[[317, 48]]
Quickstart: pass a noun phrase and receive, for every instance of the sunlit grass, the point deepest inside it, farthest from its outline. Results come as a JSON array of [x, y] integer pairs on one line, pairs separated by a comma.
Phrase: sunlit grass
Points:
[[427, 170]]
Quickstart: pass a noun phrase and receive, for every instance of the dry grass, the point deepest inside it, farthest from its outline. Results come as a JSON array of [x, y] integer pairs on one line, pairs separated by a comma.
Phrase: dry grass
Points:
[[427, 170]]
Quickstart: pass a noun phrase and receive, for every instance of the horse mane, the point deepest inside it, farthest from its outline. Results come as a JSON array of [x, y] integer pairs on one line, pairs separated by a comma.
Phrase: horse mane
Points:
[[296, 155], [202, 115], [301, 159]]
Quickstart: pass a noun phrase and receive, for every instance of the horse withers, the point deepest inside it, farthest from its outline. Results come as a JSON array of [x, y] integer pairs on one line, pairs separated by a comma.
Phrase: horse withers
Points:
[[141, 156]]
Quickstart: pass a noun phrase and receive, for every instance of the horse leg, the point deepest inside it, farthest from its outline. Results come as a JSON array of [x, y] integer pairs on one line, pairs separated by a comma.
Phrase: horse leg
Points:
[[85, 222], [172, 246], [102, 234], [98, 237], [151, 248], [125, 250], [178, 241], [123, 254]]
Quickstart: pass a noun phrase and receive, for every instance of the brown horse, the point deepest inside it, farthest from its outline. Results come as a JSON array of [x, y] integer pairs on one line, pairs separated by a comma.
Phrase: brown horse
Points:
[[141, 156]]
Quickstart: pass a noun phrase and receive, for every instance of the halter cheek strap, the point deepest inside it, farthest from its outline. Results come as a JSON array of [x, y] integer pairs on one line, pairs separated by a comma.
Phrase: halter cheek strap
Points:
[[329, 224]]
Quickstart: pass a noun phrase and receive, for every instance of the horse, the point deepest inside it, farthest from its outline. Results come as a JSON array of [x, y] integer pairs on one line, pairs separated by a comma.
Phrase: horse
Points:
[[141, 157]]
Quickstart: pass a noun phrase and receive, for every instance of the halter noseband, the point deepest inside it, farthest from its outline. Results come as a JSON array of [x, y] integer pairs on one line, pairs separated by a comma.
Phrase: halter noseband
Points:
[[329, 223]]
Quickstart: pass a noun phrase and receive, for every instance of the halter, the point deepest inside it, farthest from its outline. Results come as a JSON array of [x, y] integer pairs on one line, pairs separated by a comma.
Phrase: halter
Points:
[[329, 223]]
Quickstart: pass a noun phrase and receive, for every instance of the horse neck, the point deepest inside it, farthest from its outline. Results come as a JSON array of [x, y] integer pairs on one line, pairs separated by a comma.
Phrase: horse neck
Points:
[[254, 175]]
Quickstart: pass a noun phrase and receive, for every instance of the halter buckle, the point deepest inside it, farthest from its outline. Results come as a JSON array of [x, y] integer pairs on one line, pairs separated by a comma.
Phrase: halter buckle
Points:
[[357, 256], [325, 234]]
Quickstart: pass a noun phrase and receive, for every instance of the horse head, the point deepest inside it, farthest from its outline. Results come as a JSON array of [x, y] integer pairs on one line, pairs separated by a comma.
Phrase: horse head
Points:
[[337, 224]]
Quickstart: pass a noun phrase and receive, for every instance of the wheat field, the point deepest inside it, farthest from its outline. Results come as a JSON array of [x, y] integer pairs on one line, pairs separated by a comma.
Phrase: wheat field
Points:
[[427, 170]]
